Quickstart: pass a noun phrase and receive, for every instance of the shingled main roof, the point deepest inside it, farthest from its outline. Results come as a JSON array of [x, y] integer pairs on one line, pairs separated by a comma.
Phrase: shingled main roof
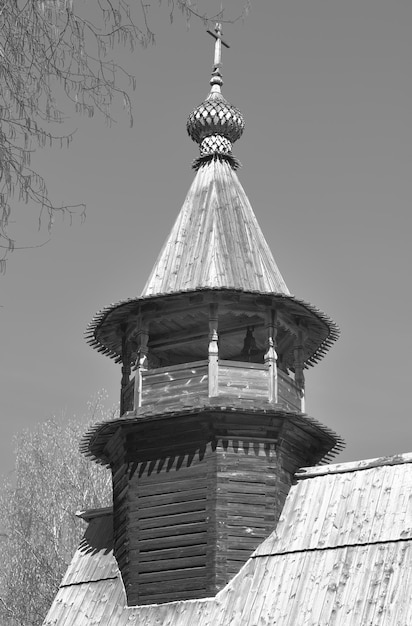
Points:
[[216, 241], [341, 555]]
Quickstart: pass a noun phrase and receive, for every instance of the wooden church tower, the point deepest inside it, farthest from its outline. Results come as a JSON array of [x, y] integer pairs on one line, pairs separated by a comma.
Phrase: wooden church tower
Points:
[[213, 424]]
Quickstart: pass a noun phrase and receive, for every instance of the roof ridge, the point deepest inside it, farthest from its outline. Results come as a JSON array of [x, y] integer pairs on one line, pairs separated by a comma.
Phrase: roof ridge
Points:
[[353, 466], [317, 548]]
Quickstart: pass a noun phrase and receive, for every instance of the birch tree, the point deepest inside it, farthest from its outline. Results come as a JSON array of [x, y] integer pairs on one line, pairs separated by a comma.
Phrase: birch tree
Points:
[[39, 531]]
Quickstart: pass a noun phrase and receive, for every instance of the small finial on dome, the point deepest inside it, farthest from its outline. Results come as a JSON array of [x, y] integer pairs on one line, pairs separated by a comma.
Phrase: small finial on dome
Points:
[[217, 81]]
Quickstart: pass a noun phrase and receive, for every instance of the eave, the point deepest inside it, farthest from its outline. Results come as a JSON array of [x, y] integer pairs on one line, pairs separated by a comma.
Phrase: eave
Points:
[[105, 335], [94, 442]]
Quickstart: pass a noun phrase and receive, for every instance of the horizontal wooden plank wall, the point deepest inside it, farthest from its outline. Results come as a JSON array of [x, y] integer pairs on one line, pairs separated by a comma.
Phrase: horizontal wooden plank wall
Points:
[[243, 380], [185, 384], [288, 392], [185, 524], [169, 533], [191, 529], [251, 489], [165, 386]]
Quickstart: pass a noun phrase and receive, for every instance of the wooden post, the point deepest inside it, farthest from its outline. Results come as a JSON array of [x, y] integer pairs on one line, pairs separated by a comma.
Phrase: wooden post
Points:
[[213, 354], [299, 375], [142, 338], [271, 355], [125, 369]]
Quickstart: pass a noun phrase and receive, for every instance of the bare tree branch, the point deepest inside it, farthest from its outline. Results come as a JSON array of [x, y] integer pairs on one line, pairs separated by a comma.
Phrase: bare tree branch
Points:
[[54, 47]]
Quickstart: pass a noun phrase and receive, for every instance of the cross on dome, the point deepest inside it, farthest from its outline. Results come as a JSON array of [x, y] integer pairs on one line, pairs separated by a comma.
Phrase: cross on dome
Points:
[[216, 80]]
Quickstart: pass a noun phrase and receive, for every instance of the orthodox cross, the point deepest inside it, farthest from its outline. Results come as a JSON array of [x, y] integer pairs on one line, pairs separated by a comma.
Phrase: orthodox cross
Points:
[[218, 44]]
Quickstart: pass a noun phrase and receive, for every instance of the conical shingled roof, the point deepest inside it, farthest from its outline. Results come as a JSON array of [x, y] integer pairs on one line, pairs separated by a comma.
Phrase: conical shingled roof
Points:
[[216, 241]]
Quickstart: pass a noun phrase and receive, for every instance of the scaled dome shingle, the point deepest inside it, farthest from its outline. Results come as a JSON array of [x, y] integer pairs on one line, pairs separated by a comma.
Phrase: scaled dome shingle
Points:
[[215, 116]]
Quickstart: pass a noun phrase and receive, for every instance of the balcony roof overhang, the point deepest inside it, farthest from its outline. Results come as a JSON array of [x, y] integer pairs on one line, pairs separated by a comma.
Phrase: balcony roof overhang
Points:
[[105, 331]]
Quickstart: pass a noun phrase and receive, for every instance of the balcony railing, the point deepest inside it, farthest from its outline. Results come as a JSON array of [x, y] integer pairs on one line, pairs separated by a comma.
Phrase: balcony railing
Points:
[[187, 385]]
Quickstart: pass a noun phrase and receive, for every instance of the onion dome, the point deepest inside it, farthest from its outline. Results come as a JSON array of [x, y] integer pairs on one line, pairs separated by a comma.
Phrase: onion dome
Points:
[[216, 124], [213, 122]]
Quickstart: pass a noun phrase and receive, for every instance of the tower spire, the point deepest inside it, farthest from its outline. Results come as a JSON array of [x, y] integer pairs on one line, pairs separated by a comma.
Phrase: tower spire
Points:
[[216, 81], [212, 429]]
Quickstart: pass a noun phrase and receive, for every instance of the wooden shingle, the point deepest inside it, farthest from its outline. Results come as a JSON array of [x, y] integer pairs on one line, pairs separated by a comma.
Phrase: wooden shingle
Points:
[[305, 573], [216, 241]]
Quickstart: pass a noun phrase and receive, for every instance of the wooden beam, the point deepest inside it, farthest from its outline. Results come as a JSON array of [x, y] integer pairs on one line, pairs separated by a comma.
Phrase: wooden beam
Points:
[[168, 308], [126, 368], [213, 351], [271, 355], [299, 375], [165, 342], [142, 338]]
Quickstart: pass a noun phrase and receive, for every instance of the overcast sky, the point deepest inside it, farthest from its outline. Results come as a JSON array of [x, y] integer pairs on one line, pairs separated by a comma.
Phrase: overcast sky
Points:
[[326, 92]]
